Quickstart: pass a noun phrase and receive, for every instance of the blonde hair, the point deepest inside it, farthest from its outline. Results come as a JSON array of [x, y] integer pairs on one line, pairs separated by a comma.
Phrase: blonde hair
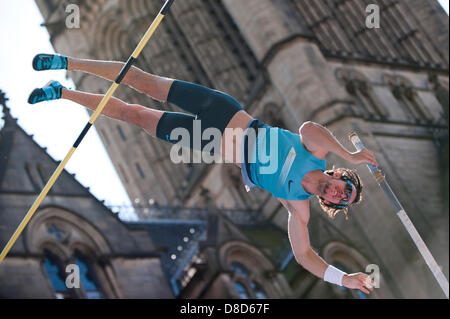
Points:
[[346, 174]]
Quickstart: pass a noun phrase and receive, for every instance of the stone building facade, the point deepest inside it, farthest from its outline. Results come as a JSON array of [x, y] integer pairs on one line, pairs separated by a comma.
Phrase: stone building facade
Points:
[[162, 258], [71, 227], [289, 61]]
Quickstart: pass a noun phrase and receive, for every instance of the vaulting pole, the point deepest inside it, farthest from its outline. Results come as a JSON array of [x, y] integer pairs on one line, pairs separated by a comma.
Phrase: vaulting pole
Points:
[[91, 122], [401, 213]]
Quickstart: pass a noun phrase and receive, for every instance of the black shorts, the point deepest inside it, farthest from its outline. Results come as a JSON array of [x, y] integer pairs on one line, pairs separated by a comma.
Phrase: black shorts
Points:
[[214, 109]]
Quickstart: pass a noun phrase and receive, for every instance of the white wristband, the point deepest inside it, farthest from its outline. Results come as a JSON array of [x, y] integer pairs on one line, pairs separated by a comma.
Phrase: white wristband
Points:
[[334, 275]]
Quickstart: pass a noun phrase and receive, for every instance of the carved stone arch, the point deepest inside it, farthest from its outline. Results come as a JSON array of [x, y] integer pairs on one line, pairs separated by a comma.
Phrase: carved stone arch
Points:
[[396, 80], [350, 258], [407, 87], [99, 266], [353, 80], [349, 74], [85, 249], [63, 230], [404, 90], [63, 253], [136, 19], [110, 39], [359, 87], [262, 270], [134, 10], [246, 254], [91, 9], [60, 256]]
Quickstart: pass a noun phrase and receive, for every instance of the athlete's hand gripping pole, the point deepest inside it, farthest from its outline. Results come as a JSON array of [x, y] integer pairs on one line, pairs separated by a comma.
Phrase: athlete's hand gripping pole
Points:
[[91, 122], [401, 213]]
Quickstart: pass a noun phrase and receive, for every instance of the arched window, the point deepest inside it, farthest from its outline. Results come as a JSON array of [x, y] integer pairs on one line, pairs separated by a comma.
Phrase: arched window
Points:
[[345, 291], [56, 275], [244, 284], [257, 290], [240, 270], [240, 288], [87, 277]]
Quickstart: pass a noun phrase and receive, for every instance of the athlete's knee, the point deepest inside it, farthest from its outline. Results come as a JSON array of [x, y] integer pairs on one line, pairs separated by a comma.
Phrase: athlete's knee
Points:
[[155, 86], [133, 114]]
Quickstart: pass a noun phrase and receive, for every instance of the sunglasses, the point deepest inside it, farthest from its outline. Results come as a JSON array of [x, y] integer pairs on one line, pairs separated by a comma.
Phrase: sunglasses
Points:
[[349, 189]]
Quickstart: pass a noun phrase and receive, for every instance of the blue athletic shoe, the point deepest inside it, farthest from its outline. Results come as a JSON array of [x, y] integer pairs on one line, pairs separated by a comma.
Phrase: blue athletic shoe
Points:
[[51, 91], [42, 62]]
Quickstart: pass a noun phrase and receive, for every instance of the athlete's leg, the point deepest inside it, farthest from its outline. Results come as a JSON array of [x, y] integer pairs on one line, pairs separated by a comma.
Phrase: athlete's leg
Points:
[[190, 97], [215, 109], [158, 123], [154, 86], [135, 114]]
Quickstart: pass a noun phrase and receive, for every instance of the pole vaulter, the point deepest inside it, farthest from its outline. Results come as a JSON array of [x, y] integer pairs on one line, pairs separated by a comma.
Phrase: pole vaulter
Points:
[[297, 162], [91, 122], [401, 213]]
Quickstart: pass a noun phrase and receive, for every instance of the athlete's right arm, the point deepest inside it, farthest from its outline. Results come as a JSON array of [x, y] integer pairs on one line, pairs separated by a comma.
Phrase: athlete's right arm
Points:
[[299, 237], [299, 212]]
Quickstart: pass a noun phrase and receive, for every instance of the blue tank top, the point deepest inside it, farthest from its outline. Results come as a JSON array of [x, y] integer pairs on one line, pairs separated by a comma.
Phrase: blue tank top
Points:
[[279, 168]]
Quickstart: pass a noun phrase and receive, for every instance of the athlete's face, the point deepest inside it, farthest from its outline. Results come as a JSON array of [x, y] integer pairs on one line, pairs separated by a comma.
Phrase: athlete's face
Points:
[[337, 191]]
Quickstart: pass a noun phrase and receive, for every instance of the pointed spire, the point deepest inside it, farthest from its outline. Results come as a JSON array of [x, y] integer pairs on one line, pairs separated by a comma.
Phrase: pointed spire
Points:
[[3, 108], [3, 98]]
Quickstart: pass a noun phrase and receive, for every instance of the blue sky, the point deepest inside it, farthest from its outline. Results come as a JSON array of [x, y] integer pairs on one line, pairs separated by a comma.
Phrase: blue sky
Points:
[[56, 124]]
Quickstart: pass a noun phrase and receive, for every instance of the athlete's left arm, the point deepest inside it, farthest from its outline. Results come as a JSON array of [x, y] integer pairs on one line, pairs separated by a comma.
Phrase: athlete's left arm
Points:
[[320, 141]]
